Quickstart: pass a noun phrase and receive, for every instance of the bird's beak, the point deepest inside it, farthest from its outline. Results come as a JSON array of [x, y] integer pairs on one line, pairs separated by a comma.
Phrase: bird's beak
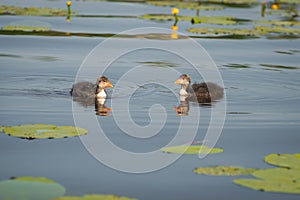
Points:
[[109, 85], [178, 81]]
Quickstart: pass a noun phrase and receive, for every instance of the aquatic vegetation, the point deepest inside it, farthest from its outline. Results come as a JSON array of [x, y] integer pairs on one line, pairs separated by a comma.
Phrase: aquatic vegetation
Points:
[[224, 170], [288, 1], [278, 66], [30, 188], [225, 31], [193, 149], [93, 197], [40, 131], [31, 11], [285, 179], [222, 20], [258, 30], [278, 23], [185, 5], [290, 161], [233, 1], [25, 28], [238, 66]]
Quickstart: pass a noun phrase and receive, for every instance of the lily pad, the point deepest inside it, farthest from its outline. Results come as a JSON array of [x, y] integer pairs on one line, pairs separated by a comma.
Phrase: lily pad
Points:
[[94, 197], [25, 28], [221, 20], [30, 188], [33, 131], [270, 185], [184, 5], [194, 149], [278, 174], [224, 170], [233, 1], [290, 161], [31, 11], [278, 66], [225, 31]]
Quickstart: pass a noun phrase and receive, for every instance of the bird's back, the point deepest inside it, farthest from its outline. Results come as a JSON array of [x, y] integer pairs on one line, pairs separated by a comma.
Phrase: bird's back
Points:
[[83, 89]]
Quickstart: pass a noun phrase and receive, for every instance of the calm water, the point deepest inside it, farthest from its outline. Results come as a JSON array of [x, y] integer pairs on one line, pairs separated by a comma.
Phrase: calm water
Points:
[[263, 113]]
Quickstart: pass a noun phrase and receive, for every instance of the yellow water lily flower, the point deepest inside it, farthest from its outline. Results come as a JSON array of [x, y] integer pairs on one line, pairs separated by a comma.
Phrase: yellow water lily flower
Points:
[[274, 6], [175, 11], [174, 28], [69, 3]]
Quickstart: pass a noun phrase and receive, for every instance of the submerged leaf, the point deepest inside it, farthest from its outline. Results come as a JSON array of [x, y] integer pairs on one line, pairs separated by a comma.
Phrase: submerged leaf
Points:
[[30, 188], [270, 185], [224, 170], [284, 160], [194, 149], [94, 197], [33, 131]]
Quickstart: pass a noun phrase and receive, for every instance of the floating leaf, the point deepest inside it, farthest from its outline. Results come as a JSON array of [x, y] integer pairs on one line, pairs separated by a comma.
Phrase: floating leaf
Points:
[[233, 1], [33, 131], [270, 185], [224, 170], [94, 197], [232, 65], [278, 174], [25, 28], [194, 149], [30, 188], [278, 66], [225, 31], [284, 160], [32, 11], [184, 5]]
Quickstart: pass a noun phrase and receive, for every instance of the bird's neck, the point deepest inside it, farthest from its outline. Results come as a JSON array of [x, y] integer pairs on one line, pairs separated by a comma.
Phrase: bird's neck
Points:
[[183, 90], [100, 93]]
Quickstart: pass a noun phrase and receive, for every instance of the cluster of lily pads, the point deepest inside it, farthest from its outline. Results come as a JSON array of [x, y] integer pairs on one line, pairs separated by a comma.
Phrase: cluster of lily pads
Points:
[[271, 26], [41, 188], [284, 179]]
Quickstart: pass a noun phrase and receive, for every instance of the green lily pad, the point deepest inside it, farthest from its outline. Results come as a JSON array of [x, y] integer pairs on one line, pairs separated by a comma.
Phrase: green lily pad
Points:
[[31, 11], [194, 149], [224, 170], [288, 1], [258, 30], [237, 66], [222, 20], [25, 28], [94, 197], [225, 31], [233, 1], [270, 185], [184, 5], [291, 161], [278, 23], [30, 188], [33, 131], [278, 174], [278, 66]]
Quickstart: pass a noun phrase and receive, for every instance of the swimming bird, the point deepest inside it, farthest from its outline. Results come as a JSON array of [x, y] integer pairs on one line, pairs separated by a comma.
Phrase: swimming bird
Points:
[[204, 92], [88, 90]]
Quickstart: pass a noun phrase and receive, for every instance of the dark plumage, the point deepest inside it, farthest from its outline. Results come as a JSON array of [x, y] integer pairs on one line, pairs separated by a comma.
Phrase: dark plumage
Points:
[[200, 92]]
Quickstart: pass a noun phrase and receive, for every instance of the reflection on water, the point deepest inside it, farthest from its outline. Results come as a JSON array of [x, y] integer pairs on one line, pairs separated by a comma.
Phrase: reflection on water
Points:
[[183, 108], [99, 103]]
